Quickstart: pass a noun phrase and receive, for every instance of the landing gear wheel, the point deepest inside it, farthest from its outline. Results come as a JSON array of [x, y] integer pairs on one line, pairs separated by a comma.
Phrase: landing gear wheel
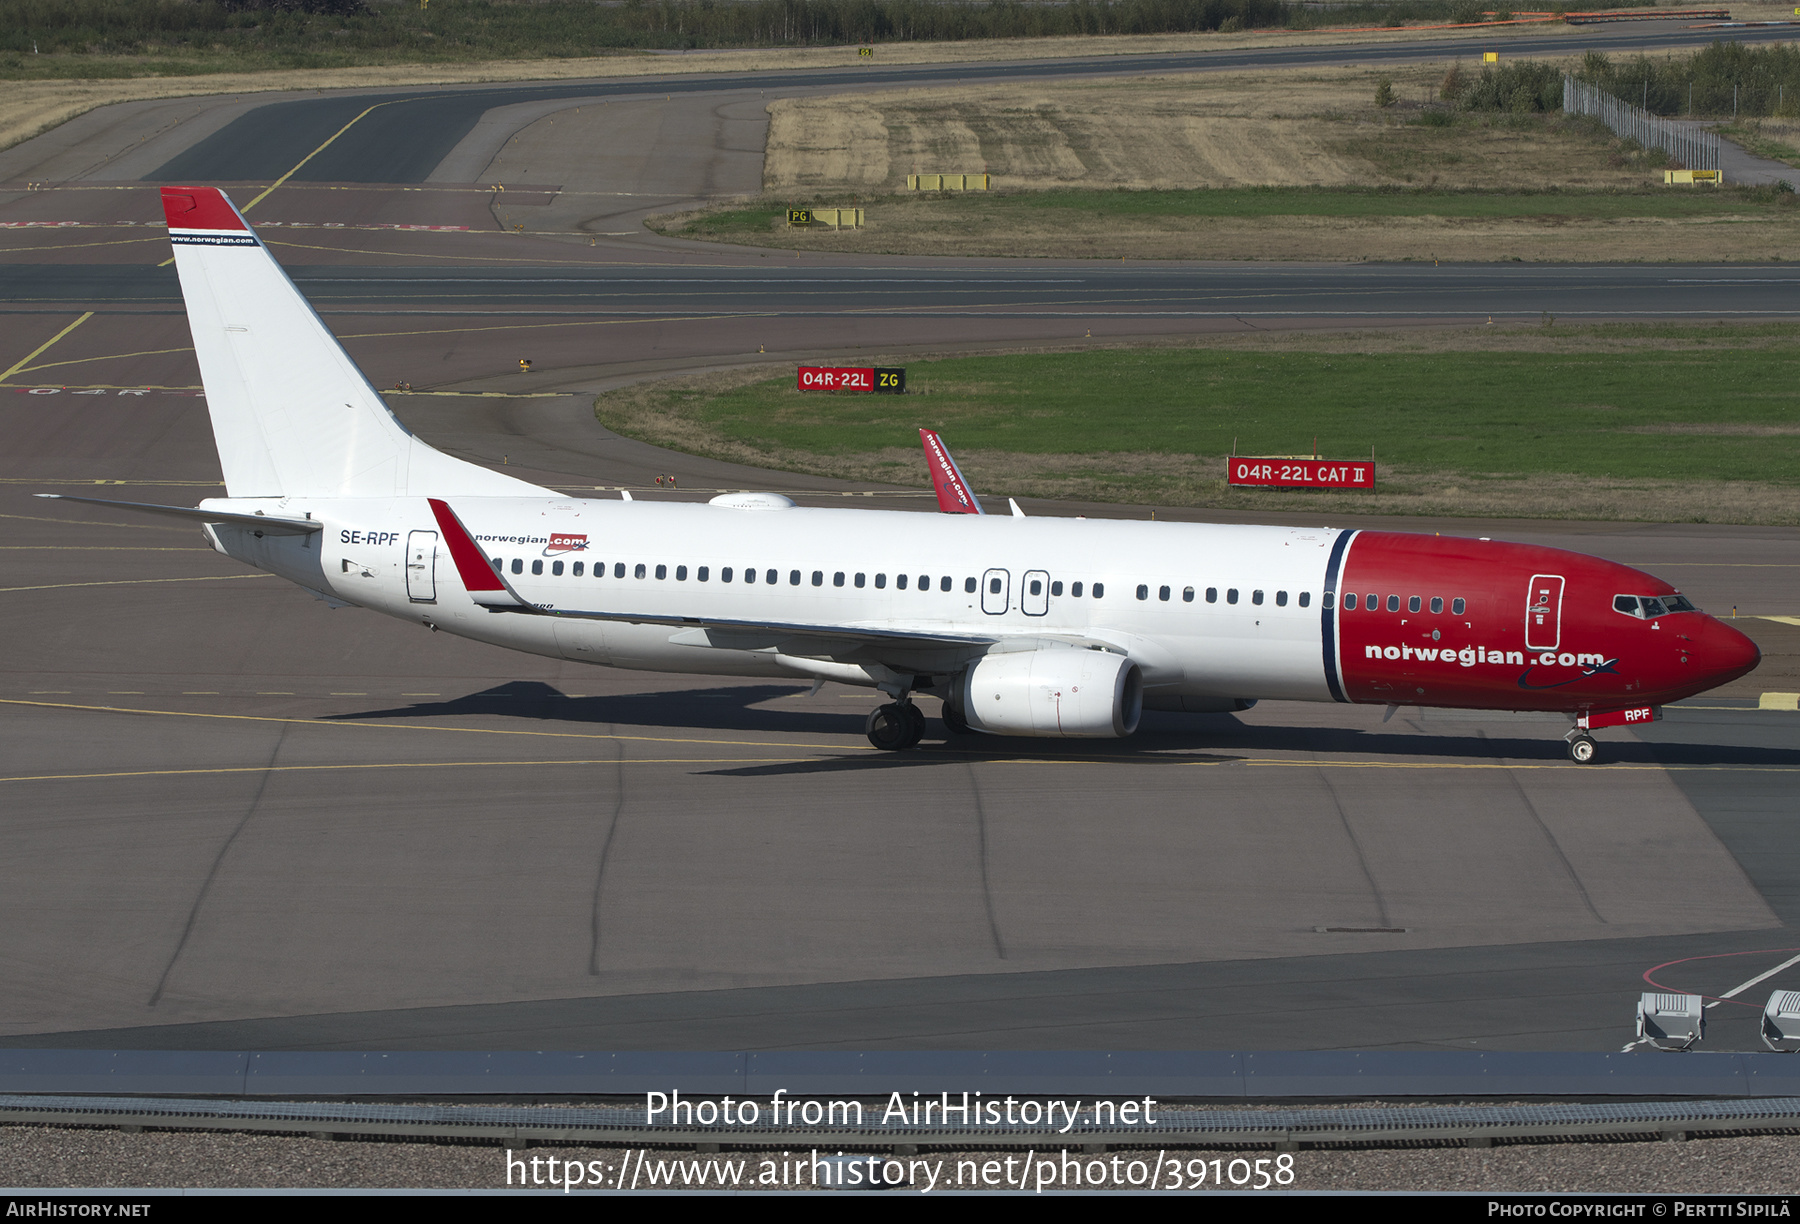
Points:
[[915, 724], [954, 722], [891, 727], [1582, 749]]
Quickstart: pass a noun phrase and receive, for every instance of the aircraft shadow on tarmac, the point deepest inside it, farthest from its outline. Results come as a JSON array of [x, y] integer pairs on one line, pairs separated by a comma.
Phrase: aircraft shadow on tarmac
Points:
[[1173, 739]]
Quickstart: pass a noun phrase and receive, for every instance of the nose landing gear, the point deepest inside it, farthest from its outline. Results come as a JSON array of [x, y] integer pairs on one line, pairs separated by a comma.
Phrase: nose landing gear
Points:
[[1582, 748]]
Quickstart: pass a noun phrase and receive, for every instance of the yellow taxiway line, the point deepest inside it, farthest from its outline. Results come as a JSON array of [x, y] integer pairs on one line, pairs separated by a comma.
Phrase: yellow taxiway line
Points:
[[45, 346]]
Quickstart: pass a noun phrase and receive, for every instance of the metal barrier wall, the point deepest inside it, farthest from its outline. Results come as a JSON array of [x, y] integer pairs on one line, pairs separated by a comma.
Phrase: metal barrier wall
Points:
[[1693, 148], [1189, 1075], [889, 1126]]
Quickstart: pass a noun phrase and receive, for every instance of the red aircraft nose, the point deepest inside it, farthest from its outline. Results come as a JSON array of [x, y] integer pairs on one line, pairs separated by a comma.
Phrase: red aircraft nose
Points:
[[1725, 653]]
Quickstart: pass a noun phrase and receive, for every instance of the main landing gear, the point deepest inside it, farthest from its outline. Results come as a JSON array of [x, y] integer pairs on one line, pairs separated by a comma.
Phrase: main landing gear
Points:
[[896, 726]]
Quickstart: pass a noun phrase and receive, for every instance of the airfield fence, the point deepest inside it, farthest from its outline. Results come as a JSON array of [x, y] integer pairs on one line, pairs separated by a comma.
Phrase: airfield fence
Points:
[[1694, 148]]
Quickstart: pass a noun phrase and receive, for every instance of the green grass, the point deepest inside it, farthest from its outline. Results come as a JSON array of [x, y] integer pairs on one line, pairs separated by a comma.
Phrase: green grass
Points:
[[1045, 207], [1478, 413]]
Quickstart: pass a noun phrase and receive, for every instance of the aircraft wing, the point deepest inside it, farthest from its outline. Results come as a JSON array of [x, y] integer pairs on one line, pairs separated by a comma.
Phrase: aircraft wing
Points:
[[953, 492], [920, 646]]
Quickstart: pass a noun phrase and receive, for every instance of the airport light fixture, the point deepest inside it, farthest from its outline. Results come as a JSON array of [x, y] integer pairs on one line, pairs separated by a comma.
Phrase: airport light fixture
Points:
[[1781, 1021], [1671, 1021]]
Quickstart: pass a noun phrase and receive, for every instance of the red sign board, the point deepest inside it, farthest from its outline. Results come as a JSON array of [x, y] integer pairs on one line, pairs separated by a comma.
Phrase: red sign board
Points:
[[853, 378], [1301, 473], [832, 378]]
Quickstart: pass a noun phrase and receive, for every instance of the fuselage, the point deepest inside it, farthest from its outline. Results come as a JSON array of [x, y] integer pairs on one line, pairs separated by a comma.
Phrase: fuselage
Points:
[[1209, 613]]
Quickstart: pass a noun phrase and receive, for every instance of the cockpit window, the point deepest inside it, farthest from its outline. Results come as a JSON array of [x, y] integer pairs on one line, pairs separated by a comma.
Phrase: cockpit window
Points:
[[1649, 607]]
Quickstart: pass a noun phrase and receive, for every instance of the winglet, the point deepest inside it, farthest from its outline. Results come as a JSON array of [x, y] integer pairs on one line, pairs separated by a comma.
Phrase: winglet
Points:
[[953, 493], [479, 576], [201, 214]]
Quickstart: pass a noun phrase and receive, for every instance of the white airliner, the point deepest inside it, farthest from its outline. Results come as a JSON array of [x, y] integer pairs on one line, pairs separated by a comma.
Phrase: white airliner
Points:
[[1022, 626]]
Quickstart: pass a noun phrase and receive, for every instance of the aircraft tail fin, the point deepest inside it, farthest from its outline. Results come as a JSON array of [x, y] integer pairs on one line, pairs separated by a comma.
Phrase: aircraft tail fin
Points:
[[291, 413], [953, 493]]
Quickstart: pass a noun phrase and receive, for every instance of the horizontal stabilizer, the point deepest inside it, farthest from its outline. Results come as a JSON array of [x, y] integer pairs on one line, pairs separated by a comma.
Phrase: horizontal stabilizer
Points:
[[268, 524]]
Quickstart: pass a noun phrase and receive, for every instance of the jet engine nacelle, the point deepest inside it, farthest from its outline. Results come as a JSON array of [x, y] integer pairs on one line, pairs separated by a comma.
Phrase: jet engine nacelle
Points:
[[1088, 693]]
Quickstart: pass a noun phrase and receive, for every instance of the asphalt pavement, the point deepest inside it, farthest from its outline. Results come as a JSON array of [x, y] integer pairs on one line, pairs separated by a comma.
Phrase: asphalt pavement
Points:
[[237, 817]]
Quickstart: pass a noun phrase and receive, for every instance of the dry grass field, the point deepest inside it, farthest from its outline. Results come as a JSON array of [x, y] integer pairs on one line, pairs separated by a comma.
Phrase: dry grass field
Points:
[[1317, 128], [1306, 127]]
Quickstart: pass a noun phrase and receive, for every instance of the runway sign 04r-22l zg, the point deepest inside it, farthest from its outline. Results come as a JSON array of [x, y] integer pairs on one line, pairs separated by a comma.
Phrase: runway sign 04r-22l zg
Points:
[[886, 380]]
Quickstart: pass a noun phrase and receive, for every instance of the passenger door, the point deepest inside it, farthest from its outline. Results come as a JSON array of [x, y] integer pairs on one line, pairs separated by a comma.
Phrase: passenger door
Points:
[[1543, 612], [421, 566]]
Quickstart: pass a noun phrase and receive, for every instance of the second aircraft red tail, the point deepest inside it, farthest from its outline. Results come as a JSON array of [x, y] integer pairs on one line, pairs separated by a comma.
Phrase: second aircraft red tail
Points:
[[953, 492]]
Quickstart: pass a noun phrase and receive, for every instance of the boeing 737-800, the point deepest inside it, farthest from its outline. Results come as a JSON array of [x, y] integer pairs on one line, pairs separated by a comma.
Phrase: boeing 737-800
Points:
[[1022, 626]]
